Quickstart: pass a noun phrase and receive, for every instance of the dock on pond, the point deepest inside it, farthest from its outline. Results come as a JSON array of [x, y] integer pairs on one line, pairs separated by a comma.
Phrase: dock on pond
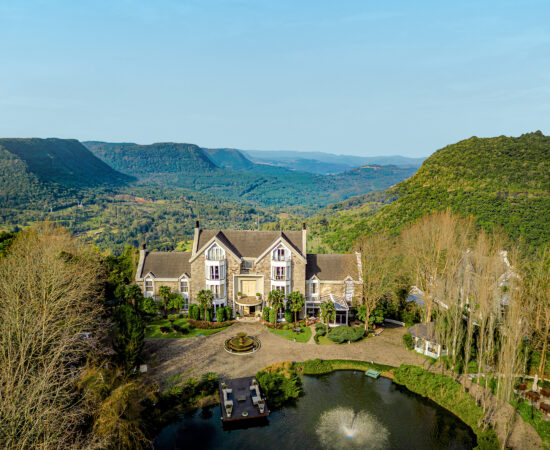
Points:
[[240, 399]]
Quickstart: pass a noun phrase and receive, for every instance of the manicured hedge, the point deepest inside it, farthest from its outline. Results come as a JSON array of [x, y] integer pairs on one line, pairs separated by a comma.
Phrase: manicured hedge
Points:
[[273, 316], [345, 333], [194, 312], [265, 313], [208, 325], [220, 315]]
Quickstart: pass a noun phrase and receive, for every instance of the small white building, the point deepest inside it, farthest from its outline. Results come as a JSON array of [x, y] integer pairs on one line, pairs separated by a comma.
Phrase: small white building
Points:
[[426, 341]]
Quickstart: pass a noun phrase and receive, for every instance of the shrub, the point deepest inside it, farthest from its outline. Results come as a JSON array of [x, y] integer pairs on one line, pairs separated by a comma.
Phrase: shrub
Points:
[[273, 316], [346, 333], [228, 312], [320, 326], [321, 332], [194, 312], [279, 383], [317, 366], [209, 315], [288, 316], [408, 341], [220, 314], [164, 329], [207, 325], [183, 328], [265, 314]]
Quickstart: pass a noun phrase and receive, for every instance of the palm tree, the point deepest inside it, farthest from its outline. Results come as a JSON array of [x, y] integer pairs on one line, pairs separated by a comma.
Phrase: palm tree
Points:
[[297, 302], [165, 292], [328, 313], [276, 301], [205, 299]]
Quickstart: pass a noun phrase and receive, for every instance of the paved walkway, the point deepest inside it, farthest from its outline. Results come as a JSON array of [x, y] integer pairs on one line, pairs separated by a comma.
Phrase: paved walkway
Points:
[[195, 356]]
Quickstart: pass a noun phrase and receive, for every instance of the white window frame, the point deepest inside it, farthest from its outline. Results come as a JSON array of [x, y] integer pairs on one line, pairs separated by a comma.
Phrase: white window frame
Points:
[[215, 253], [149, 291], [218, 289], [281, 254], [314, 284], [184, 282], [347, 294]]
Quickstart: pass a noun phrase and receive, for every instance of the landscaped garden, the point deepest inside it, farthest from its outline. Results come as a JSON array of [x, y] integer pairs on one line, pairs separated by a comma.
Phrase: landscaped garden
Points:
[[337, 335], [174, 327], [287, 332]]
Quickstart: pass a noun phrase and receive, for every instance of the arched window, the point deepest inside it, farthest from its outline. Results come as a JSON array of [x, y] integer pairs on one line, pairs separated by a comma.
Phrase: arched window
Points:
[[215, 253]]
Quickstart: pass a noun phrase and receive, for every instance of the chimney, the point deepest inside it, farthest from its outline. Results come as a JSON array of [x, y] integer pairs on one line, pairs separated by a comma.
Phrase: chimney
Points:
[[304, 239], [196, 237]]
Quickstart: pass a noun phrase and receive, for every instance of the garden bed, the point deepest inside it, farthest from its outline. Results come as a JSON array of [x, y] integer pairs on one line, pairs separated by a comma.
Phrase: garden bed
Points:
[[153, 329]]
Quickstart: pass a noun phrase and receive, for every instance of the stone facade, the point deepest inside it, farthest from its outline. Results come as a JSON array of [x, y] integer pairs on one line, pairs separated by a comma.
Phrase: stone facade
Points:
[[247, 256]]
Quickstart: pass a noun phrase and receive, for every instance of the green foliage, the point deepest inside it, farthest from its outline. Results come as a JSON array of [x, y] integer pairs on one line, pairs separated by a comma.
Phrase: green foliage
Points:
[[220, 314], [280, 387], [128, 334], [6, 238], [322, 366], [228, 313], [146, 305], [376, 317], [176, 301], [273, 316], [328, 313], [286, 332], [449, 394], [344, 333], [205, 299], [408, 341], [209, 315], [265, 314], [296, 303], [194, 311], [288, 316]]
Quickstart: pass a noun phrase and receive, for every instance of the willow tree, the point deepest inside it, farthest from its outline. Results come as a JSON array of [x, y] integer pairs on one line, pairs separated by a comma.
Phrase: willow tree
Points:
[[431, 245], [50, 291], [378, 265]]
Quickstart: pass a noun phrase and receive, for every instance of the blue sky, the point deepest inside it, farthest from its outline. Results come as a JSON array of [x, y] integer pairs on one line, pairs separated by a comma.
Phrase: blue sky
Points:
[[351, 77]]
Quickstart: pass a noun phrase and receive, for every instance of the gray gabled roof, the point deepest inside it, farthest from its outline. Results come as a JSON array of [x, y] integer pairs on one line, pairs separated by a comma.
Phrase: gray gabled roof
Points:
[[166, 264], [250, 243], [424, 331], [332, 267]]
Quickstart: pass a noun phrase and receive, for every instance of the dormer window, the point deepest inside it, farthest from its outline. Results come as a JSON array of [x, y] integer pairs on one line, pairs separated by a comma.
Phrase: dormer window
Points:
[[184, 287], [349, 288], [215, 253], [314, 288]]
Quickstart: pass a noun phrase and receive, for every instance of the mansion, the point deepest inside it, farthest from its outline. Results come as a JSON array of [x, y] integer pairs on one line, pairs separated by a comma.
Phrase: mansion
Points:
[[241, 268]]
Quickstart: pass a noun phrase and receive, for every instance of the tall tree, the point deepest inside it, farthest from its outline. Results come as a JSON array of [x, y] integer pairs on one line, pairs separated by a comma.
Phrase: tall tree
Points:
[[205, 299], [50, 295], [133, 294], [378, 261], [165, 292], [128, 334], [328, 313], [297, 302], [276, 301]]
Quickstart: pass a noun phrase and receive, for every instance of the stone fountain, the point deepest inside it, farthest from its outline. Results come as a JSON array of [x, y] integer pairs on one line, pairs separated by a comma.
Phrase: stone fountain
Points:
[[241, 344]]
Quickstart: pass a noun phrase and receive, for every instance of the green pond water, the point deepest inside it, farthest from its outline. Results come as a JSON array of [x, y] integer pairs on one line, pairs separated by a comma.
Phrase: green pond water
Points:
[[338, 411]]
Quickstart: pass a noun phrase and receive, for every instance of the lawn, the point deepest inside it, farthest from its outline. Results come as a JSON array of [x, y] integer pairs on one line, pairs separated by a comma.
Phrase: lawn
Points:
[[153, 330], [541, 426], [304, 336]]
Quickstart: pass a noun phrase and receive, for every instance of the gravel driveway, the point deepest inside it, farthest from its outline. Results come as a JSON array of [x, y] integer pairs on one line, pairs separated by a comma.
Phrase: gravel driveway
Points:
[[195, 356]]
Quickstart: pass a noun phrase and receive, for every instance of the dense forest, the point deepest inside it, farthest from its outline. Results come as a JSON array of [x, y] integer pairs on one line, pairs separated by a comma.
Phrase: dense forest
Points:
[[504, 182]]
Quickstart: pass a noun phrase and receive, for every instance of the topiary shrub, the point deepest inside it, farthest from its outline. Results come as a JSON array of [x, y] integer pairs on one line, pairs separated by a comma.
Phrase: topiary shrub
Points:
[[408, 341], [320, 326], [220, 314], [183, 328], [265, 314], [345, 333], [288, 316], [194, 312], [228, 312], [273, 316], [209, 314], [165, 329]]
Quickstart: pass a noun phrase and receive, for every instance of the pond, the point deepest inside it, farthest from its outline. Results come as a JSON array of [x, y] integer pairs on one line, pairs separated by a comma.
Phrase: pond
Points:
[[340, 410]]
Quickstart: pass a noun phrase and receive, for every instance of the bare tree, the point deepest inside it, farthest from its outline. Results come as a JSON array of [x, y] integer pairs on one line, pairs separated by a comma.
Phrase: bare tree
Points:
[[378, 260], [49, 290]]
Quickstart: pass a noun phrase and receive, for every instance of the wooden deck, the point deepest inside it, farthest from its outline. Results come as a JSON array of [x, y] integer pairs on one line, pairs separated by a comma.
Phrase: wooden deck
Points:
[[241, 396]]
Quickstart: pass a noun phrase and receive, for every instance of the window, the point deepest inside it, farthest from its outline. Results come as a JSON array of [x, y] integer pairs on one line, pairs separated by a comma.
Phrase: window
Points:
[[184, 288], [279, 288], [279, 254], [314, 288], [349, 290], [214, 272], [279, 273], [149, 289], [215, 253], [247, 264], [218, 290]]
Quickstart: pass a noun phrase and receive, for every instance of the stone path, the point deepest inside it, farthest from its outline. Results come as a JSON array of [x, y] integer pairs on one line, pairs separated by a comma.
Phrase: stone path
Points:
[[195, 356]]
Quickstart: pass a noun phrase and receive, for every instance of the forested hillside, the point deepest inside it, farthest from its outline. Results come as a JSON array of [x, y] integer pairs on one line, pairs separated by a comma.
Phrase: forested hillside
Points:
[[504, 182], [229, 175], [37, 172]]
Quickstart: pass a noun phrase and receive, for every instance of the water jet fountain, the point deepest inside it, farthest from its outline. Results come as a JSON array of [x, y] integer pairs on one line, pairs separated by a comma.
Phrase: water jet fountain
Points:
[[344, 428]]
